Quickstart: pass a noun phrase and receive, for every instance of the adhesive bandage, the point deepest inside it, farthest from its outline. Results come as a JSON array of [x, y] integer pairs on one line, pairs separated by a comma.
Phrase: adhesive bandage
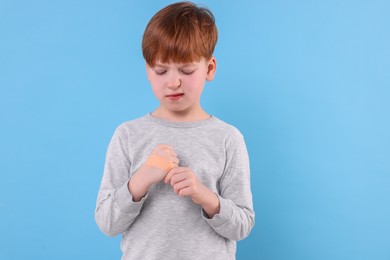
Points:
[[160, 162]]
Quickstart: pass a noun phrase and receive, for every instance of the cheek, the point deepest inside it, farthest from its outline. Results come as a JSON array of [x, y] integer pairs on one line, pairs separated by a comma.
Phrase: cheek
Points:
[[155, 82], [157, 89], [197, 85]]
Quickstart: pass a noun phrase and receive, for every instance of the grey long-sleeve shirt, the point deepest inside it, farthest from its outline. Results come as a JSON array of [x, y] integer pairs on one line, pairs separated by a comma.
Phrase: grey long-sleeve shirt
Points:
[[163, 225]]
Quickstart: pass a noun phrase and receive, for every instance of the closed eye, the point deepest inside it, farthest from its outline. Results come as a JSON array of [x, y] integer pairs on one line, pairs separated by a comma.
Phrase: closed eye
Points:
[[160, 72], [185, 72]]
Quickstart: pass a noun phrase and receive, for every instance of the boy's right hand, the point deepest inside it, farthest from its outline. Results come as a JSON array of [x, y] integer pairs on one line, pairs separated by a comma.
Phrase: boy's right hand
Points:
[[160, 161]]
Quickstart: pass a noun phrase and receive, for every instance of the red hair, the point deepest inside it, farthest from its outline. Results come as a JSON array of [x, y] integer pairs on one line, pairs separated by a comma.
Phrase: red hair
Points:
[[180, 33]]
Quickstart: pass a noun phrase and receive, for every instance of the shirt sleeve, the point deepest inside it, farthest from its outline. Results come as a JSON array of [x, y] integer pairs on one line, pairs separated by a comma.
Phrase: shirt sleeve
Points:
[[115, 209], [236, 217]]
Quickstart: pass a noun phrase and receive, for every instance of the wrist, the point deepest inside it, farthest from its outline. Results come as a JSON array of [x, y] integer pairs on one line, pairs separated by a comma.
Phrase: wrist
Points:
[[138, 186], [209, 201]]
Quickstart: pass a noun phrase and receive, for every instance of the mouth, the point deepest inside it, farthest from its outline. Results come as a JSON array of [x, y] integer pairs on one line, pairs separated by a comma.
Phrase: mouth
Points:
[[175, 96]]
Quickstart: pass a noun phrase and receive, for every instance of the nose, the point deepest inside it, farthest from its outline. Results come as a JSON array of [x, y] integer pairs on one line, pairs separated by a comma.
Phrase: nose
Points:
[[174, 82]]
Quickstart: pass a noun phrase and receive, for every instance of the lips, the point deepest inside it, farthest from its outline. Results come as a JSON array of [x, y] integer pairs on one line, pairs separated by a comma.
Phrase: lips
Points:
[[175, 96]]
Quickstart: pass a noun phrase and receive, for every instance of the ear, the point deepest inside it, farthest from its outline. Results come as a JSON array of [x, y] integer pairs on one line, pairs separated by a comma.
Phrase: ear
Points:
[[211, 68]]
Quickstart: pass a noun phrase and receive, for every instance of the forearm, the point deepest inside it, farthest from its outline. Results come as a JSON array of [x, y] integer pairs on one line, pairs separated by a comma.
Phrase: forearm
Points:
[[209, 201], [233, 221], [236, 217], [116, 210], [137, 186]]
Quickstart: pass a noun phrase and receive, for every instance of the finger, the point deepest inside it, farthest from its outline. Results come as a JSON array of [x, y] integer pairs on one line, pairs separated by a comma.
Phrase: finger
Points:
[[171, 155], [169, 149], [165, 146], [162, 152], [168, 153], [172, 172], [175, 160], [186, 191], [160, 148], [178, 177], [168, 177], [177, 187]]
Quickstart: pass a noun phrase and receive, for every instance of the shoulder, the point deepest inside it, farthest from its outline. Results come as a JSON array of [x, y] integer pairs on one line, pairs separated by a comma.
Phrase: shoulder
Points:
[[134, 123], [230, 132], [131, 127], [226, 127]]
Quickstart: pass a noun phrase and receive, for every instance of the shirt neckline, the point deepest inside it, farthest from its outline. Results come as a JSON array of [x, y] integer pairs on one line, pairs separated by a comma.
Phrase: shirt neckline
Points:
[[169, 123]]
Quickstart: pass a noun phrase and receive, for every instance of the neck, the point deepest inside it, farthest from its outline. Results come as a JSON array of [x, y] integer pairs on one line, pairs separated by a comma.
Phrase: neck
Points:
[[180, 116]]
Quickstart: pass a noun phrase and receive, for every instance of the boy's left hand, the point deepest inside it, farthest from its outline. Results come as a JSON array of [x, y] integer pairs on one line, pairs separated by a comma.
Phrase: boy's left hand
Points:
[[185, 183]]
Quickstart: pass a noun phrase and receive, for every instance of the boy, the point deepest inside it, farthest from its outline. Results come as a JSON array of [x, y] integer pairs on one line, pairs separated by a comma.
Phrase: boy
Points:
[[176, 181]]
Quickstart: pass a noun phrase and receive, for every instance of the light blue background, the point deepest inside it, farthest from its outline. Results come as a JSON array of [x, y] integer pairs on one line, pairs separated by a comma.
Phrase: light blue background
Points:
[[307, 83]]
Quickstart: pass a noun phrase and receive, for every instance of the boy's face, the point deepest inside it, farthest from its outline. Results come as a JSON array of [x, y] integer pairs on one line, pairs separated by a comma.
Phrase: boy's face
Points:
[[178, 87]]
